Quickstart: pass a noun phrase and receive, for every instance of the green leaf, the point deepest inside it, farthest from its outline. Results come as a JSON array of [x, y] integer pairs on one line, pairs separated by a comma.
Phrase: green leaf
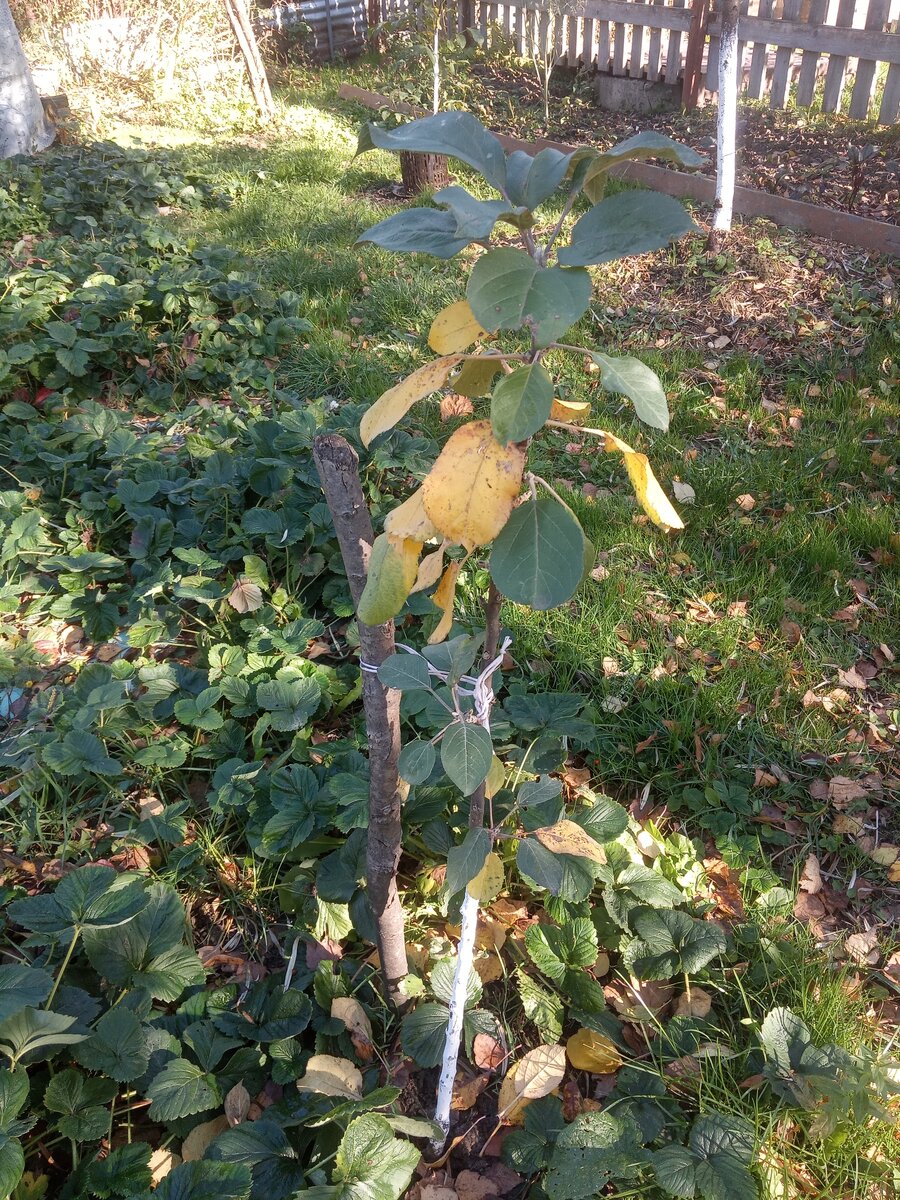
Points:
[[670, 942], [508, 290], [80, 751], [591, 166], [542, 1007], [540, 865], [391, 575], [418, 231], [371, 1163], [208, 1045], [604, 820], [634, 379], [93, 896], [536, 559], [124, 1172], [784, 1036], [417, 761], [715, 1163], [628, 223], [69, 1092], [22, 987], [148, 952], [527, 1150], [521, 403], [290, 701], [442, 977], [553, 950], [466, 755], [12, 1163], [264, 1147], [206, 1180], [423, 1033], [466, 860], [88, 1125], [456, 134], [35, 1034], [533, 179], [180, 1090], [116, 1047], [595, 1147], [200, 712], [474, 219], [405, 672], [13, 1094], [634, 885]]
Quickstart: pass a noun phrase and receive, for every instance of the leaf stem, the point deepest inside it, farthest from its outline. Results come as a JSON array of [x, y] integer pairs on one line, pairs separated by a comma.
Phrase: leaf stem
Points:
[[62, 969]]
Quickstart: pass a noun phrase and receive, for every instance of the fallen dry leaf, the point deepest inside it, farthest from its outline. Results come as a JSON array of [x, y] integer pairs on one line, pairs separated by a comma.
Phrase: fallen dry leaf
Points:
[[466, 1090], [746, 502], [863, 948], [161, 1163], [332, 1076], [852, 678], [791, 632], [590, 1051], [197, 1141], [245, 596], [536, 1074], [683, 492], [811, 878], [696, 1003], [472, 1186], [357, 1023], [237, 1104], [455, 406], [435, 1191], [487, 1053]]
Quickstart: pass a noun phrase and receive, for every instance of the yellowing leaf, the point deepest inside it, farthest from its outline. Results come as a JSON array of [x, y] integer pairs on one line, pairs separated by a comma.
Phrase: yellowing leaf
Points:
[[430, 569], [562, 410], [393, 564], [245, 596], [655, 502], [589, 1051], [443, 597], [396, 402], [539, 1073], [410, 520], [195, 1144], [489, 880], [357, 1023], [470, 490], [331, 1076], [565, 837], [477, 375], [454, 329], [496, 778]]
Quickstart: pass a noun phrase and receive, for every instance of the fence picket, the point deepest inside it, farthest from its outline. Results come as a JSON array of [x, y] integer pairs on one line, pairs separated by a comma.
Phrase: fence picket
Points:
[[603, 56], [619, 50], [878, 14], [781, 75], [760, 56], [635, 59], [809, 64], [890, 101], [837, 63], [673, 50]]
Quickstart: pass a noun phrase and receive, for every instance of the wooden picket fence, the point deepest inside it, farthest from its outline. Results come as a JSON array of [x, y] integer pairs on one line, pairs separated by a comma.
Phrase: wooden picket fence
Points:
[[802, 50]]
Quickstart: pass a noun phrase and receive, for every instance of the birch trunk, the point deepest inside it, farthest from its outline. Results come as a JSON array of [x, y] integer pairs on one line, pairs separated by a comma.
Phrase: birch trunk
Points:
[[726, 134], [24, 128]]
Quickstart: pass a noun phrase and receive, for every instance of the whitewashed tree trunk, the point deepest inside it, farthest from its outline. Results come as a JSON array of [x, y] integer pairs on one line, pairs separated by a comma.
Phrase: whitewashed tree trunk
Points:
[[726, 135], [24, 129]]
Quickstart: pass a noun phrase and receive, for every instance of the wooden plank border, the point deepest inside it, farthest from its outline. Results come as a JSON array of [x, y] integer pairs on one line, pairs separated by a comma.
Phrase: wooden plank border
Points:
[[877, 237]]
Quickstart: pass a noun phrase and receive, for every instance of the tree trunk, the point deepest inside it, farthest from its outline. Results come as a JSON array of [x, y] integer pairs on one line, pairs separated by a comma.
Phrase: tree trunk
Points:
[[726, 133], [423, 172], [337, 464], [256, 71], [24, 128]]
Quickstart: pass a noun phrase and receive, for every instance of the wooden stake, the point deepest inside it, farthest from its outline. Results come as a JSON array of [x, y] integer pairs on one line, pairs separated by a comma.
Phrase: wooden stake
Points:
[[249, 46], [338, 467]]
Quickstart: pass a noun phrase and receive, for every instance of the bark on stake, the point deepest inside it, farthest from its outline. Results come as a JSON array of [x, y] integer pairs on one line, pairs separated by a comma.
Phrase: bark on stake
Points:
[[338, 467]]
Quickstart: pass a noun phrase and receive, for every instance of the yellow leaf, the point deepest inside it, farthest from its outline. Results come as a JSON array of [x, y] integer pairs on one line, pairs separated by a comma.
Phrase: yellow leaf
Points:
[[443, 597], [160, 1164], [396, 402], [489, 880], [393, 564], [563, 411], [430, 569], [565, 837], [488, 967], [477, 375], [195, 1144], [496, 778], [454, 329], [535, 1075], [470, 490], [331, 1076], [589, 1051], [655, 502], [410, 520], [885, 855], [357, 1024]]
